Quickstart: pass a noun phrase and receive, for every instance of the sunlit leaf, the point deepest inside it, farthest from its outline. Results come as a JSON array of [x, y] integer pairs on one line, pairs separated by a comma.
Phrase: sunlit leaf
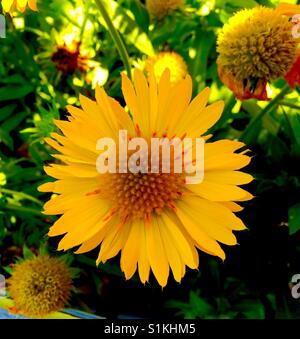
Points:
[[125, 23]]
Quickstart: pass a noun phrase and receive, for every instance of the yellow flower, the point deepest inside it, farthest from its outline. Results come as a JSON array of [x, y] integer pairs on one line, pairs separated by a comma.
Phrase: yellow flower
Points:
[[176, 64], [156, 220], [288, 9], [9, 6], [161, 8], [256, 46], [40, 286]]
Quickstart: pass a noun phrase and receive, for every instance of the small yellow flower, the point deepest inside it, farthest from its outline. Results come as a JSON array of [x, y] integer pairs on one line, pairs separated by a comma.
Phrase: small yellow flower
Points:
[[161, 8], [40, 286], [257, 43], [288, 9], [9, 6], [255, 46], [163, 60]]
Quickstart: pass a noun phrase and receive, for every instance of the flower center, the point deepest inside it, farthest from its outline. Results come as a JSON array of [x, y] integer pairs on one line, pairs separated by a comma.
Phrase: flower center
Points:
[[69, 60], [140, 195], [38, 283]]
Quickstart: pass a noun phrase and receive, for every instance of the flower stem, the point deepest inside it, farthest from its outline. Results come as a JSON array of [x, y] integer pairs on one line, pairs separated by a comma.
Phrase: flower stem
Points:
[[290, 105], [230, 103], [22, 209], [86, 13], [21, 195], [116, 37], [247, 135]]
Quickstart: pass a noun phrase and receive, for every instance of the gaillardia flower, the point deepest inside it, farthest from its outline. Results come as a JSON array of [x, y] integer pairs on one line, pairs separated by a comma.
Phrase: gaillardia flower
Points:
[[68, 52], [157, 220], [255, 46], [161, 8], [68, 58], [40, 285], [172, 60], [9, 6], [293, 75]]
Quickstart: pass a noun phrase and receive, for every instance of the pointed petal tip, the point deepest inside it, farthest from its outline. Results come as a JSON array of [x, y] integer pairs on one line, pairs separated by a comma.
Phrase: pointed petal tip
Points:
[[162, 283], [222, 104], [47, 140], [60, 247], [51, 233], [40, 188], [124, 76], [99, 261]]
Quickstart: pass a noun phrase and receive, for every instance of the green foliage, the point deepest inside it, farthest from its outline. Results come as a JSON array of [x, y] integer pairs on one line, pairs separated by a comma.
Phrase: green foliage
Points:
[[220, 308], [294, 219]]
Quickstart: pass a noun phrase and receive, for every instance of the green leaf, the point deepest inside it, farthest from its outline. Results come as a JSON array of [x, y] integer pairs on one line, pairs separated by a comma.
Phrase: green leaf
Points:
[[295, 124], [6, 111], [141, 15], [197, 307], [13, 122], [272, 299], [240, 3], [251, 107], [8, 126], [251, 132], [43, 250], [20, 195], [204, 42], [294, 219], [201, 307], [6, 139], [251, 309], [8, 269], [14, 79], [127, 26], [27, 253], [11, 92], [23, 210]]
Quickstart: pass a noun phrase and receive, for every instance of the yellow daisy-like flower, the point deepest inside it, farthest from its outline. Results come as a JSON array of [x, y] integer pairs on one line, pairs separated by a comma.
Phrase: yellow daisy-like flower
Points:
[[156, 220], [161, 8], [163, 60], [9, 6], [287, 9], [40, 286], [255, 46]]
